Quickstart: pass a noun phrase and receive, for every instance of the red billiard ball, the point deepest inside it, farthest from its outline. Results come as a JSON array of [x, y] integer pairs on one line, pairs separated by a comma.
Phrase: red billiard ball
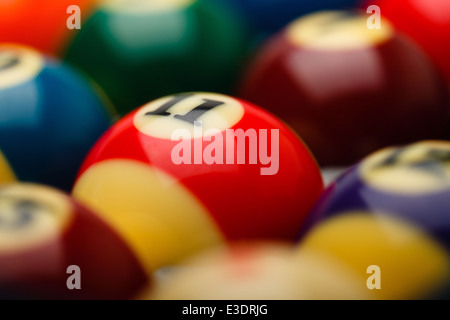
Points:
[[46, 238], [426, 22], [190, 171], [346, 89]]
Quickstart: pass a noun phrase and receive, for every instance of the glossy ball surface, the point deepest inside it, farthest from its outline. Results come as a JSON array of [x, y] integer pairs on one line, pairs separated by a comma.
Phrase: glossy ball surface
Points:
[[43, 232], [174, 186], [40, 24], [391, 210], [50, 116], [141, 50], [346, 89], [426, 22], [256, 271]]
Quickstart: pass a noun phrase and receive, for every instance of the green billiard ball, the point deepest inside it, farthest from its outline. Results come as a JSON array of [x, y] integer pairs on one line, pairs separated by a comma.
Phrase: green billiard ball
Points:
[[138, 50]]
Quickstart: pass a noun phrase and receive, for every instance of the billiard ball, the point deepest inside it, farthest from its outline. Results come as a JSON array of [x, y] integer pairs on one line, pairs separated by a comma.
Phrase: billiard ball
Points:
[[269, 16], [44, 234], [255, 271], [40, 24], [406, 181], [392, 210], [190, 171], [50, 116], [6, 173], [398, 259], [139, 50], [346, 89], [426, 22]]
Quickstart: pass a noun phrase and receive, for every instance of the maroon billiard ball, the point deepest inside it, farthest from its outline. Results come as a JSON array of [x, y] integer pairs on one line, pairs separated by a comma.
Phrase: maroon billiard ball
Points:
[[51, 247], [347, 89]]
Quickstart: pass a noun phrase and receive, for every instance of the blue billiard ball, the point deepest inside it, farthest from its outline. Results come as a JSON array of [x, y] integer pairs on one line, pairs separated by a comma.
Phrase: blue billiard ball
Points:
[[50, 116], [269, 16]]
